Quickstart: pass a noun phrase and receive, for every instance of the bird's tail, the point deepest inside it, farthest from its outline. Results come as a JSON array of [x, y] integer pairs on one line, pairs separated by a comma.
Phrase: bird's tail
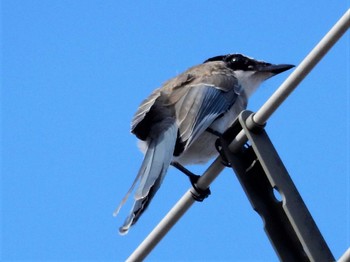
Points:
[[151, 174]]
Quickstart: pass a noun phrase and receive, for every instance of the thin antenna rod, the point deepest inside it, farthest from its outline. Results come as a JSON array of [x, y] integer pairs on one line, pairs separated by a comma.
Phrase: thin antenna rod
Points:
[[260, 117], [303, 69]]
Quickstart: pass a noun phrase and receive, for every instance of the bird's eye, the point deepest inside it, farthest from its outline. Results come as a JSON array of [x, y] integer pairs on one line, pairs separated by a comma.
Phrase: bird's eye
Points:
[[236, 60], [239, 62]]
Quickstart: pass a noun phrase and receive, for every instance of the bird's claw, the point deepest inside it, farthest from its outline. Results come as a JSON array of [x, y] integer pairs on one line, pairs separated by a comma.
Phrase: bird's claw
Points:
[[199, 194], [218, 147], [224, 160]]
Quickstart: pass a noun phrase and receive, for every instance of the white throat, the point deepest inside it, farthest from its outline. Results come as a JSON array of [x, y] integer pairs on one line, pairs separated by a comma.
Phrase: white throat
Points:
[[250, 80]]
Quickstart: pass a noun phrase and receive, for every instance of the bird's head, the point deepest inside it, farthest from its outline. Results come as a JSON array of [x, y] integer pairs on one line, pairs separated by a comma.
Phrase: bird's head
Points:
[[249, 72]]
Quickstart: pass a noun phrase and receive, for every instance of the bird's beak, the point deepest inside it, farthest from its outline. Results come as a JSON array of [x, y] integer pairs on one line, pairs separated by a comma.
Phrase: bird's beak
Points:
[[274, 69]]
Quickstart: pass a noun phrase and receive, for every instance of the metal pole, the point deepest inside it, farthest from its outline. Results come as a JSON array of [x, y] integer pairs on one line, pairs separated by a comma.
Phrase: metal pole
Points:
[[287, 222], [260, 117], [345, 257], [162, 228], [303, 69], [174, 214], [288, 86]]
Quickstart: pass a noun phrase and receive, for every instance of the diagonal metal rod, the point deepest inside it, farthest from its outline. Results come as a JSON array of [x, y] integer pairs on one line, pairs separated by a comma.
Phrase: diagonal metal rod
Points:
[[262, 115], [303, 69]]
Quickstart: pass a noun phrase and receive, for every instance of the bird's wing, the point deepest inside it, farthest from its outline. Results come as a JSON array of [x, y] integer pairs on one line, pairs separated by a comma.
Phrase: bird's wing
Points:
[[139, 127], [200, 105], [154, 108]]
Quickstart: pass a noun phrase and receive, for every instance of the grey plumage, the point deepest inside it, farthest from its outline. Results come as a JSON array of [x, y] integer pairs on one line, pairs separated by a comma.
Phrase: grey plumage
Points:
[[172, 122]]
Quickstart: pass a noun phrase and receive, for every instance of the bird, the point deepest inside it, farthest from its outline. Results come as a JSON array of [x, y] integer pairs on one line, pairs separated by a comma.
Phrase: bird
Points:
[[179, 122]]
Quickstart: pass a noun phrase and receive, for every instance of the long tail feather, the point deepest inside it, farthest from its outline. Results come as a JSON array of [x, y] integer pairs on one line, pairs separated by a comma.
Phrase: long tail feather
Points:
[[152, 172]]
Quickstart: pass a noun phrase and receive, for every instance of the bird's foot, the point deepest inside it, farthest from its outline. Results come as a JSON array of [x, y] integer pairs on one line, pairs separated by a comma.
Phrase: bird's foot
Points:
[[218, 147], [200, 194], [224, 160]]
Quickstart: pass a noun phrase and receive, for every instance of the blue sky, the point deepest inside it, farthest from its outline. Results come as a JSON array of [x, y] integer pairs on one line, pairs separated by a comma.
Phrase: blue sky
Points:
[[74, 73]]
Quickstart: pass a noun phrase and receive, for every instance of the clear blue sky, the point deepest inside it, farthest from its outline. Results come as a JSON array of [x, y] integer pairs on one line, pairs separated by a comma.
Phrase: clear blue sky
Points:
[[73, 74]]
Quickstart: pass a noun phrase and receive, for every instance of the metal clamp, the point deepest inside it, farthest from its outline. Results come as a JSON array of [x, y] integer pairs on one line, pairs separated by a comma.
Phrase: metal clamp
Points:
[[287, 221]]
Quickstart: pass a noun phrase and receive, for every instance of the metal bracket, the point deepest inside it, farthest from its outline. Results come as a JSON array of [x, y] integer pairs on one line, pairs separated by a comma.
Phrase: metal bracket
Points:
[[287, 221]]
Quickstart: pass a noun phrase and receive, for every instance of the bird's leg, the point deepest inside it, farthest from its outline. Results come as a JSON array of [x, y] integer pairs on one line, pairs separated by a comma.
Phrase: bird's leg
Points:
[[214, 132], [201, 194], [218, 147]]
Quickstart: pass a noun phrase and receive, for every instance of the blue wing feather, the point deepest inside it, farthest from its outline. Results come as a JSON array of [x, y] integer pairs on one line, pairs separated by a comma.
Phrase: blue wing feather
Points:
[[208, 102]]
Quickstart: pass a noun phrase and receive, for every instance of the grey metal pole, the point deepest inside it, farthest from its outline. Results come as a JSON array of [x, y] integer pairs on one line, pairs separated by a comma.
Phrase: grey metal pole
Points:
[[174, 214], [303, 69], [345, 257], [287, 222], [260, 117], [288, 86], [162, 228]]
